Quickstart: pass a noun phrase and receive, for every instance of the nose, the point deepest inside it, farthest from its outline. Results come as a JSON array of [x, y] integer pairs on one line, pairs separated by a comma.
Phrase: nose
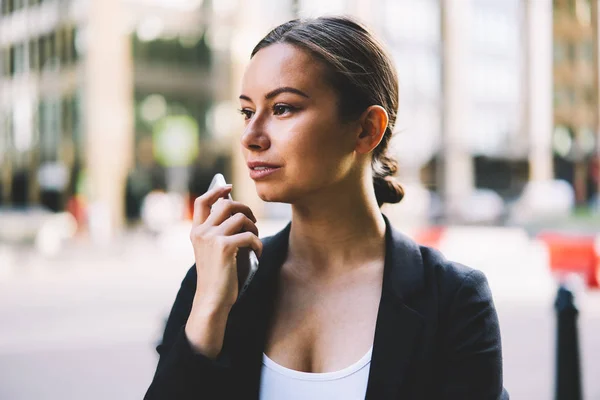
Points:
[[255, 136]]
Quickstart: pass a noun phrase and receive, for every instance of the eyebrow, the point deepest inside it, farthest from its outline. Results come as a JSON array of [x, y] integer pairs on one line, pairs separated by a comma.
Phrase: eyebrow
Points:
[[278, 91]]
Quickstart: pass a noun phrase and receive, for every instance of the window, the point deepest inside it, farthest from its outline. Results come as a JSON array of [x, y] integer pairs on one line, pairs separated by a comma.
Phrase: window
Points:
[[67, 115], [33, 55], [18, 59], [77, 123], [52, 47], [49, 118], [15, 5], [4, 61], [72, 38], [5, 6], [64, 50], [43, 52], [8, 6]]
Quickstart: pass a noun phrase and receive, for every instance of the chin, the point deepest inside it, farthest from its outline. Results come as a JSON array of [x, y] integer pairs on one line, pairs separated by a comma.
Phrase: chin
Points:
[[270, 198], [270, 195]]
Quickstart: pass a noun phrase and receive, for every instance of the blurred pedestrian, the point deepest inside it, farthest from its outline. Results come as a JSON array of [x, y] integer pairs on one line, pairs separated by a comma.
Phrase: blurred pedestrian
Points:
[[343, 305]]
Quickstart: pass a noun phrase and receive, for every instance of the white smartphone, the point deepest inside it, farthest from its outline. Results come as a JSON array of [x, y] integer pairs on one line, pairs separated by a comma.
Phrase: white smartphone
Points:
[[247, 264]]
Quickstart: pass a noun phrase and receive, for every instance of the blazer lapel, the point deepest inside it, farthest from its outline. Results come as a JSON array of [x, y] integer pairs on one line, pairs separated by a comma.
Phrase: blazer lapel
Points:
[[397, 326], [396, 330], [249, 317]]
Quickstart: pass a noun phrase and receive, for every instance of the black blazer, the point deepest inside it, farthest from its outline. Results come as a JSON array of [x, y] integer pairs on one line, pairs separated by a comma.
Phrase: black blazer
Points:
[[436, 335]]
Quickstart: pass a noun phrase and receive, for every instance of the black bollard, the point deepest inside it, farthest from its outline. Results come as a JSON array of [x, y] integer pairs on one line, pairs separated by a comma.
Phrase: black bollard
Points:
[[568, 373]]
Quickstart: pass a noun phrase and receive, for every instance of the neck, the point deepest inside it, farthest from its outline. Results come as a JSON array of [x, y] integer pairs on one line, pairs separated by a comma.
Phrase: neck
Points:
[[329, 236]]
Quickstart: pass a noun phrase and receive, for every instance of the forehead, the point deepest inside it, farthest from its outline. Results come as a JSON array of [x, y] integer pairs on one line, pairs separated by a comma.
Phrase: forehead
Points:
[[282, 64]]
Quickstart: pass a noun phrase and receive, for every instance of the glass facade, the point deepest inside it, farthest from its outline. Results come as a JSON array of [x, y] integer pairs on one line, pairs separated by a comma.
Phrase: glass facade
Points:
[[496, 76], [48, 125], [412, 32], [54, 50], [575, 138]]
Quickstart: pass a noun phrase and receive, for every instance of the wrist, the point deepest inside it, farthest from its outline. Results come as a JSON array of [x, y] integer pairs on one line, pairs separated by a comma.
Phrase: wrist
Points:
[[205, 328], [210, 309]]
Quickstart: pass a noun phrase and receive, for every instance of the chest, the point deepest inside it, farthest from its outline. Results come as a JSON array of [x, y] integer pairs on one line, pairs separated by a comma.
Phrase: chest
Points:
[[324, 327]]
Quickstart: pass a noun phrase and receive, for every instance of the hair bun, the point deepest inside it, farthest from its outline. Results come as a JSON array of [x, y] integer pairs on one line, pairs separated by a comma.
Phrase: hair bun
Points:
[[387, 190]]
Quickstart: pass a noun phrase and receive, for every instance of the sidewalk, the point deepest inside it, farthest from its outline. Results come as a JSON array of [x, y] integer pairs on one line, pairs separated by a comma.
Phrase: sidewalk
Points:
[[84, 323]]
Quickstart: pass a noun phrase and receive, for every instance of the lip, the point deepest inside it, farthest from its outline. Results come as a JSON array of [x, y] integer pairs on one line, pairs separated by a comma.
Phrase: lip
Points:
[[263, 173], [254, 164]]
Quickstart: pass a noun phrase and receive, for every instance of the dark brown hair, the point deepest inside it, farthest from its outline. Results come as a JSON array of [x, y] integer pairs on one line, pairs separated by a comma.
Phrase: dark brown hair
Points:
[[362, 73]]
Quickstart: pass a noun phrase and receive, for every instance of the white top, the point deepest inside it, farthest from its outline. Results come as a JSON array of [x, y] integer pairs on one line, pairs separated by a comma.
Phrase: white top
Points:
[[350, 383]]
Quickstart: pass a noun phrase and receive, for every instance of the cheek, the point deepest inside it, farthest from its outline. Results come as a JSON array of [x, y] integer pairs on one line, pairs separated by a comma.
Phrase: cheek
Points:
[[314, 156], [308, 141], [315, 136], [312, 160]]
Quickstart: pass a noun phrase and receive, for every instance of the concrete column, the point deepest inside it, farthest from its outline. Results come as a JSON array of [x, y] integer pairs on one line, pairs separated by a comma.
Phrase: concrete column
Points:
[[108, 97], [595, 25], [457, 176], [538, 70]]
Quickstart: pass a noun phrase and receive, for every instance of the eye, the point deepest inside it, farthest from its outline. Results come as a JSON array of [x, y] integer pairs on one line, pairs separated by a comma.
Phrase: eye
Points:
[[246, 113], [280, 109]]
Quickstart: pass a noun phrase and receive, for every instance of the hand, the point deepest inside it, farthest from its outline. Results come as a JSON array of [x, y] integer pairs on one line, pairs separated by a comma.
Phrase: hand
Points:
[[217, 238]]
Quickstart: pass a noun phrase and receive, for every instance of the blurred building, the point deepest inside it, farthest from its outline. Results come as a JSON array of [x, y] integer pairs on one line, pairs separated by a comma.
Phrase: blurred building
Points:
[[495, 80], [40, 99], [475, 88], [575, 137], [108, 99], [111, 99]]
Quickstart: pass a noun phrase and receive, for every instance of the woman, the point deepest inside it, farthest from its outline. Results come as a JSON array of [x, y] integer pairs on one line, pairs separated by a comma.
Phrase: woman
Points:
[[343, 305]]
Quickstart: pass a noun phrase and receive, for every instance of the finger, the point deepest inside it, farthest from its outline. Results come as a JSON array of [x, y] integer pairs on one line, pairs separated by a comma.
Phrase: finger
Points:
[[203, 203], [225, 209], [236, 224], [245, 239]]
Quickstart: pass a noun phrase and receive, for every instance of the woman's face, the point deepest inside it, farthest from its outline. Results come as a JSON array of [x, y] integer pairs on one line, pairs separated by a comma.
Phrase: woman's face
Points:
[[292, 122]]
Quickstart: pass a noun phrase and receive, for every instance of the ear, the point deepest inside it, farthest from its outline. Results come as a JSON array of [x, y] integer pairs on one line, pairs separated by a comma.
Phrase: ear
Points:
[[373, 123]]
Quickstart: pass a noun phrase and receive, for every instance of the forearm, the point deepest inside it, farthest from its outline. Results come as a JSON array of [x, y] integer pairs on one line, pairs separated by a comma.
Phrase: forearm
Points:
[[205, 328], [183, 372]]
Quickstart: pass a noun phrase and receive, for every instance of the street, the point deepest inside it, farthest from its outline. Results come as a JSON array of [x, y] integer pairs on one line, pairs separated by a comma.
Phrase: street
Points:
[[84, 324]]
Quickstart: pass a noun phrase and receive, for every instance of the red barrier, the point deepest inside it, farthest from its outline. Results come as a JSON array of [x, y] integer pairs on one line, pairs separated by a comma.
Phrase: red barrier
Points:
[[430, 236], [573, 254]]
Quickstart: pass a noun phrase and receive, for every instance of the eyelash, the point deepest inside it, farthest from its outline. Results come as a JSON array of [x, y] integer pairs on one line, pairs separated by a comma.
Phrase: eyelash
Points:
[[245, 111]]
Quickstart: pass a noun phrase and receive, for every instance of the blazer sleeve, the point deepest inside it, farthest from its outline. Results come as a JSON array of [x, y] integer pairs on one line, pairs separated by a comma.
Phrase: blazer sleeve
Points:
[[472, 362], [182, 373]]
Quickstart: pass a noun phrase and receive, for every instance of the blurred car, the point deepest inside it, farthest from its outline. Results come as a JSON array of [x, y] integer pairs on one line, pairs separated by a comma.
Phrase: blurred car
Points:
[[162, 210], [38, 227], [543, 200], [482, 207]]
